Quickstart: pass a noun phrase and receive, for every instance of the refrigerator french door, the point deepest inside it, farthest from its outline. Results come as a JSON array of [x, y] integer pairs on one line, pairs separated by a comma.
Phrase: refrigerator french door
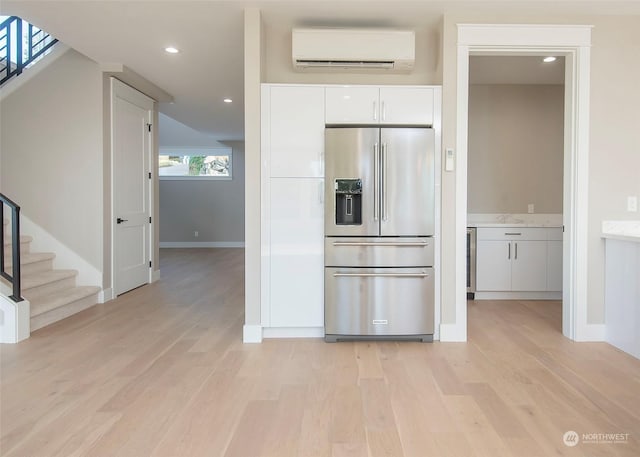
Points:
[[379, 226]]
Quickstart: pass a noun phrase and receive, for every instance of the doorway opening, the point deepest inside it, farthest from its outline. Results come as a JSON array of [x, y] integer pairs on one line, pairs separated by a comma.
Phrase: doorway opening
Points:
[[573, 43], [515, 188]]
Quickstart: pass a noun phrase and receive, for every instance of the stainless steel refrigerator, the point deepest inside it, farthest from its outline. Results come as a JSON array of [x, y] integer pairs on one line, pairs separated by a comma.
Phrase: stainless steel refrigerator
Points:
[[379, 227]]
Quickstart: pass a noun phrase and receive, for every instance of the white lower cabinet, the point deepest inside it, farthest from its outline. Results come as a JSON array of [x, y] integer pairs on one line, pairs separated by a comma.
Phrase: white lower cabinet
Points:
[[529, 266], [297, 252], [522, 260]]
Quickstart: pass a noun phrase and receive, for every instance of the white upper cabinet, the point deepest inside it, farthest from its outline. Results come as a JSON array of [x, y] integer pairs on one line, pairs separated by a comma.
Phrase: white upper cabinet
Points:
[[379, 105], [295, 133], [406, 105], [352, 105]]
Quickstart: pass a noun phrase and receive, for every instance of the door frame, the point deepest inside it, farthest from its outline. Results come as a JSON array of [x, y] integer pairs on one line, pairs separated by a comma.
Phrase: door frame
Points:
[[134, 96], [573, 42]]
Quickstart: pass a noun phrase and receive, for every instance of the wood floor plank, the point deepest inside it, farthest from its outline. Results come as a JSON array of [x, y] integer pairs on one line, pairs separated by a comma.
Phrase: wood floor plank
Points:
[[161, 371]]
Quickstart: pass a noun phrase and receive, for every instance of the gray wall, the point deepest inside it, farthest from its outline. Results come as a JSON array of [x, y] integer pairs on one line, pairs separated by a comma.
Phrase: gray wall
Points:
[[52, 152], [515, 148], [215, 208]]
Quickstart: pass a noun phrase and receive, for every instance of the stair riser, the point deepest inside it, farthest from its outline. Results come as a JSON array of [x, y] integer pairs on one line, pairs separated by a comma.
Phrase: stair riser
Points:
[[33, 267], [63, 312], [39, 291], [24, 248], [37, 267]]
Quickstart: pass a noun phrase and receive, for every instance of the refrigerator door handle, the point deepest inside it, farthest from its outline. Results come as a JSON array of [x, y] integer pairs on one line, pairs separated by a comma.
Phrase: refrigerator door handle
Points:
[[381, 275], [384, 181], [376, 179]]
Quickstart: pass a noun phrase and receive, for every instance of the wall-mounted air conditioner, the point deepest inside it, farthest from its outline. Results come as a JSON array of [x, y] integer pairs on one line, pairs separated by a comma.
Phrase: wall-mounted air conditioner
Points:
[[353, 49]]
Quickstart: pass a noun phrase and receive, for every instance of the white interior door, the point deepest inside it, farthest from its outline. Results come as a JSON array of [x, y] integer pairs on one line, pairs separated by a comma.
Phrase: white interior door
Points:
[[131, 152]]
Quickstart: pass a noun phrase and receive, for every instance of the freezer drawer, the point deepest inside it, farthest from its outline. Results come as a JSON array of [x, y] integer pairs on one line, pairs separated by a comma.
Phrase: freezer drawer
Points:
[[379, 302], [378, 252]]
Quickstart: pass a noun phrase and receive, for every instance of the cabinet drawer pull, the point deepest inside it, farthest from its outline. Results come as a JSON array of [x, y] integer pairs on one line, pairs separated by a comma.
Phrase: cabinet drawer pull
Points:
[[513, 234], [509, 256]]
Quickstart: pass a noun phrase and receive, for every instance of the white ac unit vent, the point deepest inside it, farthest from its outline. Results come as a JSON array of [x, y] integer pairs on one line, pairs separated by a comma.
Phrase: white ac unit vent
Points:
[[353, 49]]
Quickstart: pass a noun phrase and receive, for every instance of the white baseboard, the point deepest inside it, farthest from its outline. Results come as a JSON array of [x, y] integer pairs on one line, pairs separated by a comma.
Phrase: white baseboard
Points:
[[105, 295], [518, 296], [293, 332], [155, 276], [453, 333], [592, 332], [202, 244], [252, 334]]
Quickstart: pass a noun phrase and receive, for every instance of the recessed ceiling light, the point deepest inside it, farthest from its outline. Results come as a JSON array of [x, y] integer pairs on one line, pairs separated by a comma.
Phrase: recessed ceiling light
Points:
[[172, 50], [549, 59], [227, 100]]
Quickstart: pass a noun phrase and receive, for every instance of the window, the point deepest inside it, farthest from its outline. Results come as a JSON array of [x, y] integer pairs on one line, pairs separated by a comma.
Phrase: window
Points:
[[196, 164]]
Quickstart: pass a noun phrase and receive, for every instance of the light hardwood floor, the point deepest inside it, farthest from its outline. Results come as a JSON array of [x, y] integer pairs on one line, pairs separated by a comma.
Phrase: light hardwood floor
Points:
[[162, 372]]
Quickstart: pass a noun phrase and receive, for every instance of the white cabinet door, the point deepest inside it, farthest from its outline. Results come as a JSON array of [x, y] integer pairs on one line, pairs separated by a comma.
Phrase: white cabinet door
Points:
[[296, 131], [493, 266], [297, 252], [529, 266], [406, 105], [352, 105], [554, 266]]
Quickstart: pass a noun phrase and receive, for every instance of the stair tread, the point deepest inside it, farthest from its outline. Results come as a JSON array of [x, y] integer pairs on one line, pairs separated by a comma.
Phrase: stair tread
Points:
[[31, 257], [63, 297], [32, 280]]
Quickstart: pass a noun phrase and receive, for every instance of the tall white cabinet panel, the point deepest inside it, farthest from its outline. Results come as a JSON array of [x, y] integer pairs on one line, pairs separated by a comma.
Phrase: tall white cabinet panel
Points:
[[529, 266], [352, 105], [493, 265], [296, 131], [297, 262], [406, 105]]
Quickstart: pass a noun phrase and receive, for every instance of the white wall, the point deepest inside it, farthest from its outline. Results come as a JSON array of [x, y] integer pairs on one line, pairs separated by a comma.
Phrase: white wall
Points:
[[515, 150], [52, 152]]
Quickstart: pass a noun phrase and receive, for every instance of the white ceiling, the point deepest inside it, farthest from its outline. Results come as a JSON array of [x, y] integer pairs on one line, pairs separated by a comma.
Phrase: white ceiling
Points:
[[209, 33]]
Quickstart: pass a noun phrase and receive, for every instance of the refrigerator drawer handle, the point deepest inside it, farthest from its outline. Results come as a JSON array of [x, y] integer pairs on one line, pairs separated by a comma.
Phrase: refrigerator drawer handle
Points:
[[381, 275], [390, 243]]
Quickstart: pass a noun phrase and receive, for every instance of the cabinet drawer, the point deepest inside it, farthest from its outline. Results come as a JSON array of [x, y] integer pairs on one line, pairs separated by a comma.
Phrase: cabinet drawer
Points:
[[379, 301], [512, 233], [379, 252]]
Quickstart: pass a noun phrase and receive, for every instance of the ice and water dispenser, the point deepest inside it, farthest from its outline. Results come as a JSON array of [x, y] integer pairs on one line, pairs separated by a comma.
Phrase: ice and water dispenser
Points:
[[348, 201]]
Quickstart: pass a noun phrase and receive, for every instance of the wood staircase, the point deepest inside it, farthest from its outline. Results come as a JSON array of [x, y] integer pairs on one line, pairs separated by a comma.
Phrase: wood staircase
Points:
[[53, 293]]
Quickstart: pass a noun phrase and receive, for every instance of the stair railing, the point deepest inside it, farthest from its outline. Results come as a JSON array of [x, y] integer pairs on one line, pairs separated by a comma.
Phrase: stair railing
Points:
[[21, 44], [14, 277]]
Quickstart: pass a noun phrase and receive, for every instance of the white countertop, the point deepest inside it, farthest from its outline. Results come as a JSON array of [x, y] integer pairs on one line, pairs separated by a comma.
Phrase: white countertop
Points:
[[621, 230], [514, 220]]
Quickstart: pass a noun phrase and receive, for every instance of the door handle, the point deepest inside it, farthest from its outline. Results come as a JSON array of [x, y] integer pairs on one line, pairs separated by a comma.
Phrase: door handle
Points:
[[516, 256], [120, 220], [381, 275]]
